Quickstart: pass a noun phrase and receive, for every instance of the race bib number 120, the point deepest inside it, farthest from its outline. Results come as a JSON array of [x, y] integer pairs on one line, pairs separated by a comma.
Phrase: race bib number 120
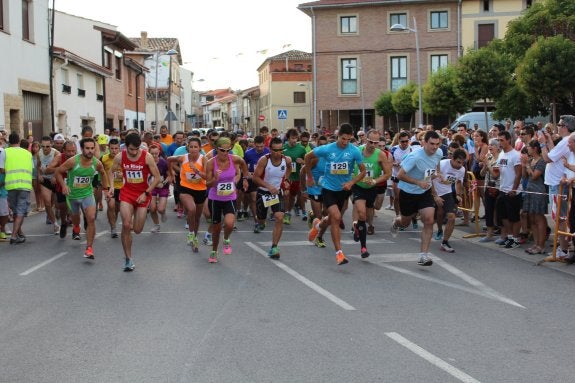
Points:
[[82, 182], [339, 168]]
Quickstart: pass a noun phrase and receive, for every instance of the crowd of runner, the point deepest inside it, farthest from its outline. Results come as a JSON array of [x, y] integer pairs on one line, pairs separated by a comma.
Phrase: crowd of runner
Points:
[[222, 177]]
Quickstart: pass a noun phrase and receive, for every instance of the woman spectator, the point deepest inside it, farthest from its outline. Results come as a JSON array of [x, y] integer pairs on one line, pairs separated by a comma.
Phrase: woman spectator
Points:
[[535, 199], [480, 140], [490, 171], [35, 149]]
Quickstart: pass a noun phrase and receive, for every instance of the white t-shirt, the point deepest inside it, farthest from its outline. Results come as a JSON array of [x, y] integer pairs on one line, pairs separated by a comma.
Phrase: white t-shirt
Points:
[[554, 170], [2, 158], [569, 174], [507, 162], [449, 176], [397, 153]]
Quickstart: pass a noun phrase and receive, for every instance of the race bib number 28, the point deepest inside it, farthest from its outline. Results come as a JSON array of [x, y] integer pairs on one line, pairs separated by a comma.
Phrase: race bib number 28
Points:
[[339, 168], [225, 188]]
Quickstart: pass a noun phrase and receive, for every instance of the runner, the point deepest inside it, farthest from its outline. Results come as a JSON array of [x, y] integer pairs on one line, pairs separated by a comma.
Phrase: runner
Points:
[[417, 171], [69, 150], [314, 192], [251, 157], [161, 192], [46, 179], [136, 165], [113, 202], [451, 172], [192, 187], [340, 160], [397, 153], [78, 189], [377, 170], [271, 172], [223, 173], [296, 152]]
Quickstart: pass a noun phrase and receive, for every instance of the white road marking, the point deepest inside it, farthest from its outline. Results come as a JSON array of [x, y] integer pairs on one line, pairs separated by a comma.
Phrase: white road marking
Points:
[[98, 235], [403, 257], [40, 265], [474, 282], [308, 243], [318, 289], [436, 361]]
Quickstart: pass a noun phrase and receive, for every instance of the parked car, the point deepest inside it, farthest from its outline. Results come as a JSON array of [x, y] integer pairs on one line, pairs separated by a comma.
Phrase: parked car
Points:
[[470, 119]]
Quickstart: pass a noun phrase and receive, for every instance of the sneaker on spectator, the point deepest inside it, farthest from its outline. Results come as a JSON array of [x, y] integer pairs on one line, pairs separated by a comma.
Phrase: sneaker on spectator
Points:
[[512, 243], [500, 241]]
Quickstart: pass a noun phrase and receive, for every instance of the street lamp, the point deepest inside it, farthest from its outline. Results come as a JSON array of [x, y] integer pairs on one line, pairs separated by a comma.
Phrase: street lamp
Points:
[[308, 100], [361, 93], [402, 28]]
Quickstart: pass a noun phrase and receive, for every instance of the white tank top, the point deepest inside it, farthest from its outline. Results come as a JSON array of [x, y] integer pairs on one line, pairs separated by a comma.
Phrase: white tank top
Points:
[[274, 175], [46, 160]]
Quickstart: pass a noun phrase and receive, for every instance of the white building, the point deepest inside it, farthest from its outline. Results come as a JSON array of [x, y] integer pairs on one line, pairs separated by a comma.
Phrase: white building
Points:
[[25, 72]]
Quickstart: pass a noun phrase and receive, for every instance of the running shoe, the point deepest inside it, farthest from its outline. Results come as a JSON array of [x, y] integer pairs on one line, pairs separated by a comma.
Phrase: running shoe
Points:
[[241, 216], [186, 226], [319, 242], [213, 257], [287, 219], [227, 247], [155, 229], [297, 211], [314, 231], [364, 252], [208, 240], [274, 253], [257, 228], [424, 260], [394, 229], [191, 237], [17, 240], [439, 236], [75, 235], [180, 213], [113, 233], [195, 244], [415, 226], [445, 247], [370, 230], [355, 231], [304, 215], [3, 236], [129, 265], [63, 230], [89, 253], [56, 229], [340, 258]]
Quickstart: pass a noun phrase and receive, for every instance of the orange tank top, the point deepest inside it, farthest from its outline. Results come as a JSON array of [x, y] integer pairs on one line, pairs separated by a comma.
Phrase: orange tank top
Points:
[[189, 178]]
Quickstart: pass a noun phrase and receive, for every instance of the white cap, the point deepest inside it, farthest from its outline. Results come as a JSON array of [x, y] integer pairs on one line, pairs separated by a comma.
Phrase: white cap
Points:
[[59, 137]]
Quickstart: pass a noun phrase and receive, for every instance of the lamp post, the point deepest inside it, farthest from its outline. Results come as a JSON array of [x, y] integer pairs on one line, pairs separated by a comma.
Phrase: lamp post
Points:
[[361, 93], [308, 100], [402, 28]]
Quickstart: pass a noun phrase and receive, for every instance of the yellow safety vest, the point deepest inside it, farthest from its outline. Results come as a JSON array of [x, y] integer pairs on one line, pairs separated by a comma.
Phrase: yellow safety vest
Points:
[[18, 169]]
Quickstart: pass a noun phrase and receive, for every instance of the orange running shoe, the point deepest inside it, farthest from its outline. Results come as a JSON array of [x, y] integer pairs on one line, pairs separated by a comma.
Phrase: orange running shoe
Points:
[[340, 258], [314, 231], [89, 253]]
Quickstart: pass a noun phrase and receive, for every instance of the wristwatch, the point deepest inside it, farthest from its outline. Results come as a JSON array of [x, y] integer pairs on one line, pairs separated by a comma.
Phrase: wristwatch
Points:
[[147, 193]]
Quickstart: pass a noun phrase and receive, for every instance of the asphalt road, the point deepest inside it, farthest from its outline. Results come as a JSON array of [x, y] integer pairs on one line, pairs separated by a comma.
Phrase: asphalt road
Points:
[[478, 315]]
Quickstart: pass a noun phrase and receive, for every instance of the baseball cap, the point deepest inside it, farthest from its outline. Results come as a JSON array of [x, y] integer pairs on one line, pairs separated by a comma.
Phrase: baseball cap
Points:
[[59, 137], [102, 139]]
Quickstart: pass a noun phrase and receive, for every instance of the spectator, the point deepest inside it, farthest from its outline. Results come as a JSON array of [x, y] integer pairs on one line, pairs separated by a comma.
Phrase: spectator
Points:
[[535, 200], [490, 170]]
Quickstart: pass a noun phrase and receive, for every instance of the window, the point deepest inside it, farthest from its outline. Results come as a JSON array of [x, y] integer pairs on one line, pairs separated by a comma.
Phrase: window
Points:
[[349, 76], [130, 82], [528, 3], [438, 61], [398, 72], [99, 89], [485, 33], [108, 59], [348, 24], [80, 80], [299, 97], [486, 6], [398, 18], [26, 20], [118, 68], [299, 123], [439, 19]]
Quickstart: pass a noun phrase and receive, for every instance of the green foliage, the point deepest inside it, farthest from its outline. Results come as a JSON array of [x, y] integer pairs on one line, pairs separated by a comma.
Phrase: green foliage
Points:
[[547, 69], [402, 99], [440, 95], [482, 74], [383, 105], [516, 104]]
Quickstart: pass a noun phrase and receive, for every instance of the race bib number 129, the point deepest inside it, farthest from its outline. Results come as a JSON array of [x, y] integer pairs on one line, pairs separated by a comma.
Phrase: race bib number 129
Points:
[[339, 168]]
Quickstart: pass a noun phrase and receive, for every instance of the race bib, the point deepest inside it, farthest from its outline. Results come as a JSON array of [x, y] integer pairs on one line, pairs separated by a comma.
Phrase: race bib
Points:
[[339, 168], [117, 176], [293, 167], [193, 178], [450, 179], [225, 188], [134, 176], [82, 182], [270, 199], [429, 173]]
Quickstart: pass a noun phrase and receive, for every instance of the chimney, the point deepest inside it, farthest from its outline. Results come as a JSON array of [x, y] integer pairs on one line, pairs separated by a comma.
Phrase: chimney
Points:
[[144, 39]]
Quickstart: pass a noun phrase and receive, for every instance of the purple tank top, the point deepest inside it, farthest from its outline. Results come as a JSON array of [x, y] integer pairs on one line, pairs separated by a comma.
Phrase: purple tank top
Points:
[[225, 189]]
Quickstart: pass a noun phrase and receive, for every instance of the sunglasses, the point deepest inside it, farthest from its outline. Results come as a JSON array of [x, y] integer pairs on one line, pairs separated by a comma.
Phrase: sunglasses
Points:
[[277, 150], [561, 125], [373, 142], [224, 150], [404, 141], [46, 146]]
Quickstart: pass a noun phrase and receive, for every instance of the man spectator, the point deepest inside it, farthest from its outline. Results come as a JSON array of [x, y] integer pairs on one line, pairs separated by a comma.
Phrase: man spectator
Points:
[[265, 133], [178, 141], [165, 137], [18, 183], [553, 154]]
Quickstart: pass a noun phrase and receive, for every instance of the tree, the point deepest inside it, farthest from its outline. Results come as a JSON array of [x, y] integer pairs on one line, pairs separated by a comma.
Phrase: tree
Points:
[[482, 75], [402, 100], [384, 107], [547, 70], [516, 104], [440, 94]]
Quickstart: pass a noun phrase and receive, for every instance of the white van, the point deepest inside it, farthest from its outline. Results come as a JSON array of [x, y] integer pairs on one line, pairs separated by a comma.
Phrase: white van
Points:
[[475, 118]]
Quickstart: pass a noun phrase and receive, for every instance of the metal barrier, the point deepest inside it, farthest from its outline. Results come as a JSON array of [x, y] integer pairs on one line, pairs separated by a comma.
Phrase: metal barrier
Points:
[[558, 217], [470, 203]]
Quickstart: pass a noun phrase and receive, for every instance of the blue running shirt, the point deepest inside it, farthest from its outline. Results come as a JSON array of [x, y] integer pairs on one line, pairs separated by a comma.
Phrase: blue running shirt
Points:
[[419, 165], [339, 164]]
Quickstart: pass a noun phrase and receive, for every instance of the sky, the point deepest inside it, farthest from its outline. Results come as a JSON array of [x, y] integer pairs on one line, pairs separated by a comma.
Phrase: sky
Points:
[[222, 42]]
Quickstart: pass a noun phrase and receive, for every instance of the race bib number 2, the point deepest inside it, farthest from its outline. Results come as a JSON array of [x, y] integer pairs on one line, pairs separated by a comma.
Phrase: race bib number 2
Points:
[[339, 168], [225, 188], [134, 176], [270, 199]]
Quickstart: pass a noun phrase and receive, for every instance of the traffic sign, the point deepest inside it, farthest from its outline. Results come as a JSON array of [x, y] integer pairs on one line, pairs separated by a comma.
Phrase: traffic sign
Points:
[[282, 114], [261, 117]]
